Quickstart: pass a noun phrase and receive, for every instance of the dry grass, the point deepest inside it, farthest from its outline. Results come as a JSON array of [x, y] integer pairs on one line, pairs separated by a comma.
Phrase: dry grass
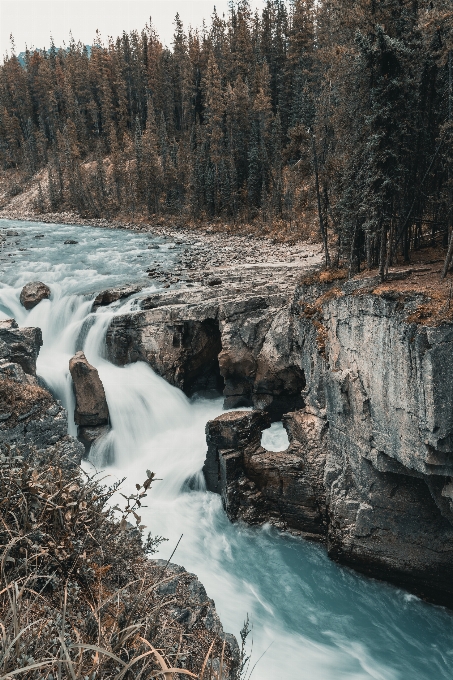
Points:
[[435, 311], [321, 337], [20, 396], [324, 276], [22, 400], [330, 275], [314, 310], [78, 598], [421, 277]]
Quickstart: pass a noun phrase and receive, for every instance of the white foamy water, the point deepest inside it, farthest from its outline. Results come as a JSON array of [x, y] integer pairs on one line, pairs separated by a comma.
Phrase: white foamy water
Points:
[[316, 620], [275, 438]]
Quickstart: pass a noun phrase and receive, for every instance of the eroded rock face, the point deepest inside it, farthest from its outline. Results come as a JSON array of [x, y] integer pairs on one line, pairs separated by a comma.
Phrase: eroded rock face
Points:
[[390, 412], [32, 294], [369, 464], [257, 486], [224, 339], [370, 415], [91, 405]]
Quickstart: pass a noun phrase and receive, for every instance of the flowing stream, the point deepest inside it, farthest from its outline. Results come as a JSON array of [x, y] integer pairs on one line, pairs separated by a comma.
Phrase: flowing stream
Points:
[[317, 621]]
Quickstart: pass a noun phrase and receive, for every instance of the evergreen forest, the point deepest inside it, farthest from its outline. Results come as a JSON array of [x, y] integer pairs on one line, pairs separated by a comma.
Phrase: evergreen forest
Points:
[[336, 111]]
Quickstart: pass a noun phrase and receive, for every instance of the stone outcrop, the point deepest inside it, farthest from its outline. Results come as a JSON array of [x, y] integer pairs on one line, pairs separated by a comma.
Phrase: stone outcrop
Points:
[[91, 412], [30, 418], [364, 393], [257, 486], [389, 407], [230, 339], [374, 439], [106, 297], [32, 294], [19, 347]]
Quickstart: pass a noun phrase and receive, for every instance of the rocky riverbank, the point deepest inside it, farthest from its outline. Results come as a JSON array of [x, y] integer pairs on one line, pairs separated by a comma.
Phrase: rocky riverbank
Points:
[[208, 248]]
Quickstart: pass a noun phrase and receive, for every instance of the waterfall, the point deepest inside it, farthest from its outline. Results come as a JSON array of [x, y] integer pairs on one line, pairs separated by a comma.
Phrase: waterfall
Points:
[[311, 618]]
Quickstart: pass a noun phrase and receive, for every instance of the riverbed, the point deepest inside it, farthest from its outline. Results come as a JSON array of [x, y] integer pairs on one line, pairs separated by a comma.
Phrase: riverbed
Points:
[[312, 619]]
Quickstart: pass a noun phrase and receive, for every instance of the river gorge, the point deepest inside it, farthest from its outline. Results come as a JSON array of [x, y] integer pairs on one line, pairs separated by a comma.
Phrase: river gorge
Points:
[[312, 618]]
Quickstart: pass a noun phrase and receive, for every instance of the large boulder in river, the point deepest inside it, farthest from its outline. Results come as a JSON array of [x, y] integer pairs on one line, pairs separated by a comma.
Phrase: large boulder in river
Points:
[[32, 293], [91, 405], [106, 297], [257, 486]]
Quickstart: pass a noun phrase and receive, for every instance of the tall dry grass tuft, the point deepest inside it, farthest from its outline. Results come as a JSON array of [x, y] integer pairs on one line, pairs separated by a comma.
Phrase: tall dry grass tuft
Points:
[[77, 599]]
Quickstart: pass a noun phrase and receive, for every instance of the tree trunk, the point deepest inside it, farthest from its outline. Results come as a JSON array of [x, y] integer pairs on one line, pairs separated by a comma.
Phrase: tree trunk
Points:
[[322, 226], [450, 246], [382, 252]]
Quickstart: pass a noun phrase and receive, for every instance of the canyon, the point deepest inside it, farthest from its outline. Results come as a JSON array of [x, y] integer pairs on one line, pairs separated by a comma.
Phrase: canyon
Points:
[[286, 345], [363, 390]]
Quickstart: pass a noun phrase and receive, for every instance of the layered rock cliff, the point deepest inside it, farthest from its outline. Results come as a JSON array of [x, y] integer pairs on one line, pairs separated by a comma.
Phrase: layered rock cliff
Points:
[[203, 339], [388, 402], [365, 393]]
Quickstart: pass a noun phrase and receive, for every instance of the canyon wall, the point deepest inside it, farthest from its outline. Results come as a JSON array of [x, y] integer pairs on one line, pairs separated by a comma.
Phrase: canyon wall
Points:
[[365, 393], [386, 383]]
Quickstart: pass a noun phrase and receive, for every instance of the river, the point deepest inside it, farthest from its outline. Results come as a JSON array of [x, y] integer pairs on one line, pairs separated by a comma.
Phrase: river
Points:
[[312, 619]]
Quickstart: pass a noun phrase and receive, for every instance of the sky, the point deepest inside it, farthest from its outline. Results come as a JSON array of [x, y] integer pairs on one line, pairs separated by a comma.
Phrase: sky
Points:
[[31, 22]]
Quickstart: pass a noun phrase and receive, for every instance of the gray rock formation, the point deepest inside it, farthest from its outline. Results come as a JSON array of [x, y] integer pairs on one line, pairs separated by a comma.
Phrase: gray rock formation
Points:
[[30, 418], [369, 405], [257, 486], [19, 346], [91, 412], [215, 339], [106, 297], [388, 390], [32, 294]]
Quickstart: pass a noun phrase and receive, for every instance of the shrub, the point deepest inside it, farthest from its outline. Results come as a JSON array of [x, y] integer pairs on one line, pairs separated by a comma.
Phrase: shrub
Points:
[[78, 598]]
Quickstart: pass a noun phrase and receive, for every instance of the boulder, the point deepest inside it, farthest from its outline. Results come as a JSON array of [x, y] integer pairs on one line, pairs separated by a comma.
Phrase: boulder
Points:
[[33, 293], [229, 436], [19, 345], [106, 297], [91, 405], [89, 435], [31, 421], [257, 486]]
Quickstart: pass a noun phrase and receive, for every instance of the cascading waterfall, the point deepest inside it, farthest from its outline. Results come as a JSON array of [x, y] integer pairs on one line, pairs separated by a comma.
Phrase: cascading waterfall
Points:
[[315, 619]]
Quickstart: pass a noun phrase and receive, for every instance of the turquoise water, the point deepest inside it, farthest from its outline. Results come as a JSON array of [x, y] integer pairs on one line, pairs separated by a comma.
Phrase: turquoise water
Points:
[[313, 619]]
